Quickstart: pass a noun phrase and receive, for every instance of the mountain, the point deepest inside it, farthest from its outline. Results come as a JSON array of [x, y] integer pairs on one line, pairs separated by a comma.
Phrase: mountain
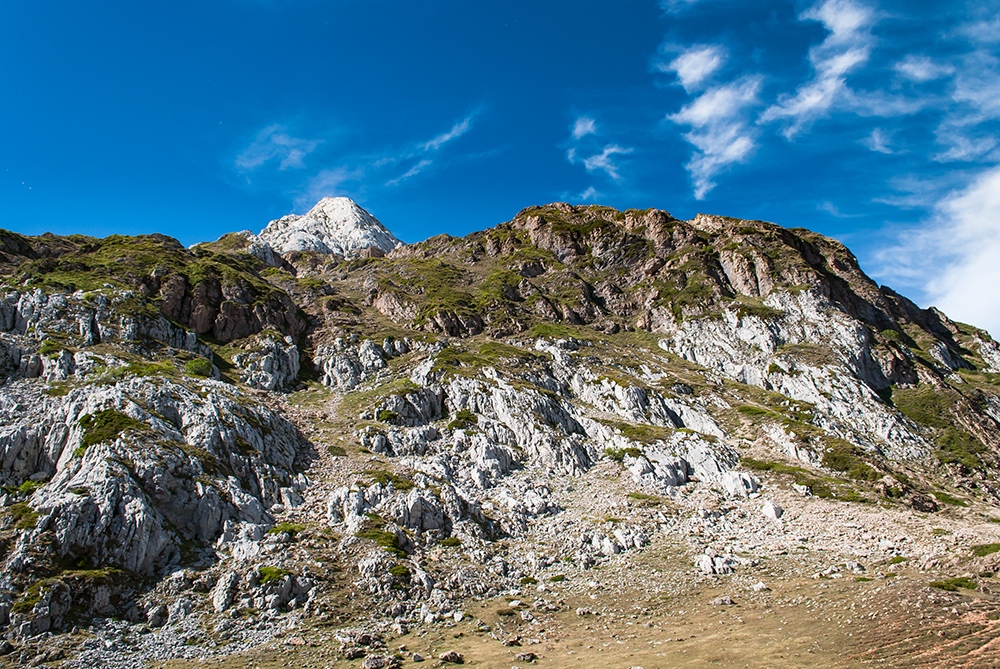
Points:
[[336, 225], [576, 428]]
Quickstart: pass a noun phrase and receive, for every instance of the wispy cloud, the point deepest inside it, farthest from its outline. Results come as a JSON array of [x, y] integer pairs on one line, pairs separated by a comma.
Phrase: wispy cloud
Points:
[[456, 131], [720, 130], [921, 68], [878, 141], [694, 65], [675, 6], [834, 210], [412, 172], [589, 194], [603, 161], [845, 49], [954, 256], [583, 126], [274, 143]]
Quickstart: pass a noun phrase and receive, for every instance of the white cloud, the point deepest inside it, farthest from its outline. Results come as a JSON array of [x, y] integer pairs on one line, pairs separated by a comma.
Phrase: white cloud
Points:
[[589, 194], [695, 65], [412, 172], [584, 126], [920, 68], [720, 131], [456, 131], [956, 254], [274, 143], [603, 162], [878, 141], [845, 49]]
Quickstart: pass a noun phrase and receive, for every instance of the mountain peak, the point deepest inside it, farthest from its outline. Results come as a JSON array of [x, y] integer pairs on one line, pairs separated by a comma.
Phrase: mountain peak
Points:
[[335, 225]]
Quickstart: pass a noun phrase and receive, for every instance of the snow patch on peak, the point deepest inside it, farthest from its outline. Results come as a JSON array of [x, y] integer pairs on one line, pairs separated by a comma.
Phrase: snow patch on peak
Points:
[[335, 225]]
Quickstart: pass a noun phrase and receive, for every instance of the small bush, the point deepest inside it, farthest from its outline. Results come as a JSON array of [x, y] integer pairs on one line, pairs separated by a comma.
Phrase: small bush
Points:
[[897, 560], [50, 348], [450, 542], [198, 367], [843, 456], [528, 580], [558, 578], [387, 540], [25, 518], [400, 572]]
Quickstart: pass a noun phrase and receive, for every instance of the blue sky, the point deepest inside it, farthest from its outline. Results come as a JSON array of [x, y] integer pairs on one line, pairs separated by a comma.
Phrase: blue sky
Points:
[[872, 121]]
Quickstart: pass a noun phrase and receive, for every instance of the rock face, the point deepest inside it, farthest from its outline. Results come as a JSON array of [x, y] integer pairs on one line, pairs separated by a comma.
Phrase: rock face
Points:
[[199, 433], [336, 225]]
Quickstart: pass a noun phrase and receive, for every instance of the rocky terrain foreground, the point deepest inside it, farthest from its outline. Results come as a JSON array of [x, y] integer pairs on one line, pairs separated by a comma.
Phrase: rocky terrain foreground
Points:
[[582, 437]]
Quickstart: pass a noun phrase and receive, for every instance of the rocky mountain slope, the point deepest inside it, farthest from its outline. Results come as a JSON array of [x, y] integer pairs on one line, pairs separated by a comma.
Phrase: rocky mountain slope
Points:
[[280, 434]]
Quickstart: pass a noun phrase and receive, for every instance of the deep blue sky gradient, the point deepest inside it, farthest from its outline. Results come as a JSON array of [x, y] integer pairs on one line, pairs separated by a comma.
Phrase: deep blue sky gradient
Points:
[[199, 118]]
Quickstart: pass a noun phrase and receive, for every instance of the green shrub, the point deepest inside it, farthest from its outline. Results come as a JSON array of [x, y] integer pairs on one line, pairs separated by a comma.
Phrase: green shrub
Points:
[[198, 367], [558, 578], [50, 348], [450, 542], [25, 518], [400, 572], [528, 580]]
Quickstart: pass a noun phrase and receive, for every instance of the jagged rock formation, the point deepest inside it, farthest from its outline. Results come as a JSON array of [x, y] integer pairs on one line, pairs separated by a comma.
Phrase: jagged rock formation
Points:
[[336, 225], [220, 420]]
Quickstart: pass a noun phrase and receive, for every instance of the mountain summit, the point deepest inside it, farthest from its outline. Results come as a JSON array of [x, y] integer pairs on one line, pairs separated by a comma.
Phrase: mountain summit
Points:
[[336, 225]]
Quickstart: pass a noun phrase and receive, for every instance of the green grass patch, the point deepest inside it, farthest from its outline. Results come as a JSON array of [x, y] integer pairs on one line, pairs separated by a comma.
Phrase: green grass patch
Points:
[[529, 580], [25, 518], [898, 559], [464, 419], [336, 451], [271, 574], [945, 498], [400, 572], [198, 367], [645, 434], [292, 528], [982, 550], [106, 425], [385, 478], [618, 454], [558, 578], [954, 584], [843, 456], [450, 542]]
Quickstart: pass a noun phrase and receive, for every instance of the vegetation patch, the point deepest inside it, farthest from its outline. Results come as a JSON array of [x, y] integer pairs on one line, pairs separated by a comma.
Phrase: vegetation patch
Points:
[[618, 454], [385, 478], [945, 498], [645, 434], [820, 486], [450, 542], [271, 574], [982, 550], [954, 584], [374, 530], [25, 518], [464, 419], [336, 451], [106, 425], [843, 456], [292, 528], [198, 367], [529, 580]]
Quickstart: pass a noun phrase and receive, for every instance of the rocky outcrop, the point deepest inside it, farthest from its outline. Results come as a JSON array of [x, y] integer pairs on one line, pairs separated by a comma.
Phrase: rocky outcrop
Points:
[[336, 225], [268, 362]]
